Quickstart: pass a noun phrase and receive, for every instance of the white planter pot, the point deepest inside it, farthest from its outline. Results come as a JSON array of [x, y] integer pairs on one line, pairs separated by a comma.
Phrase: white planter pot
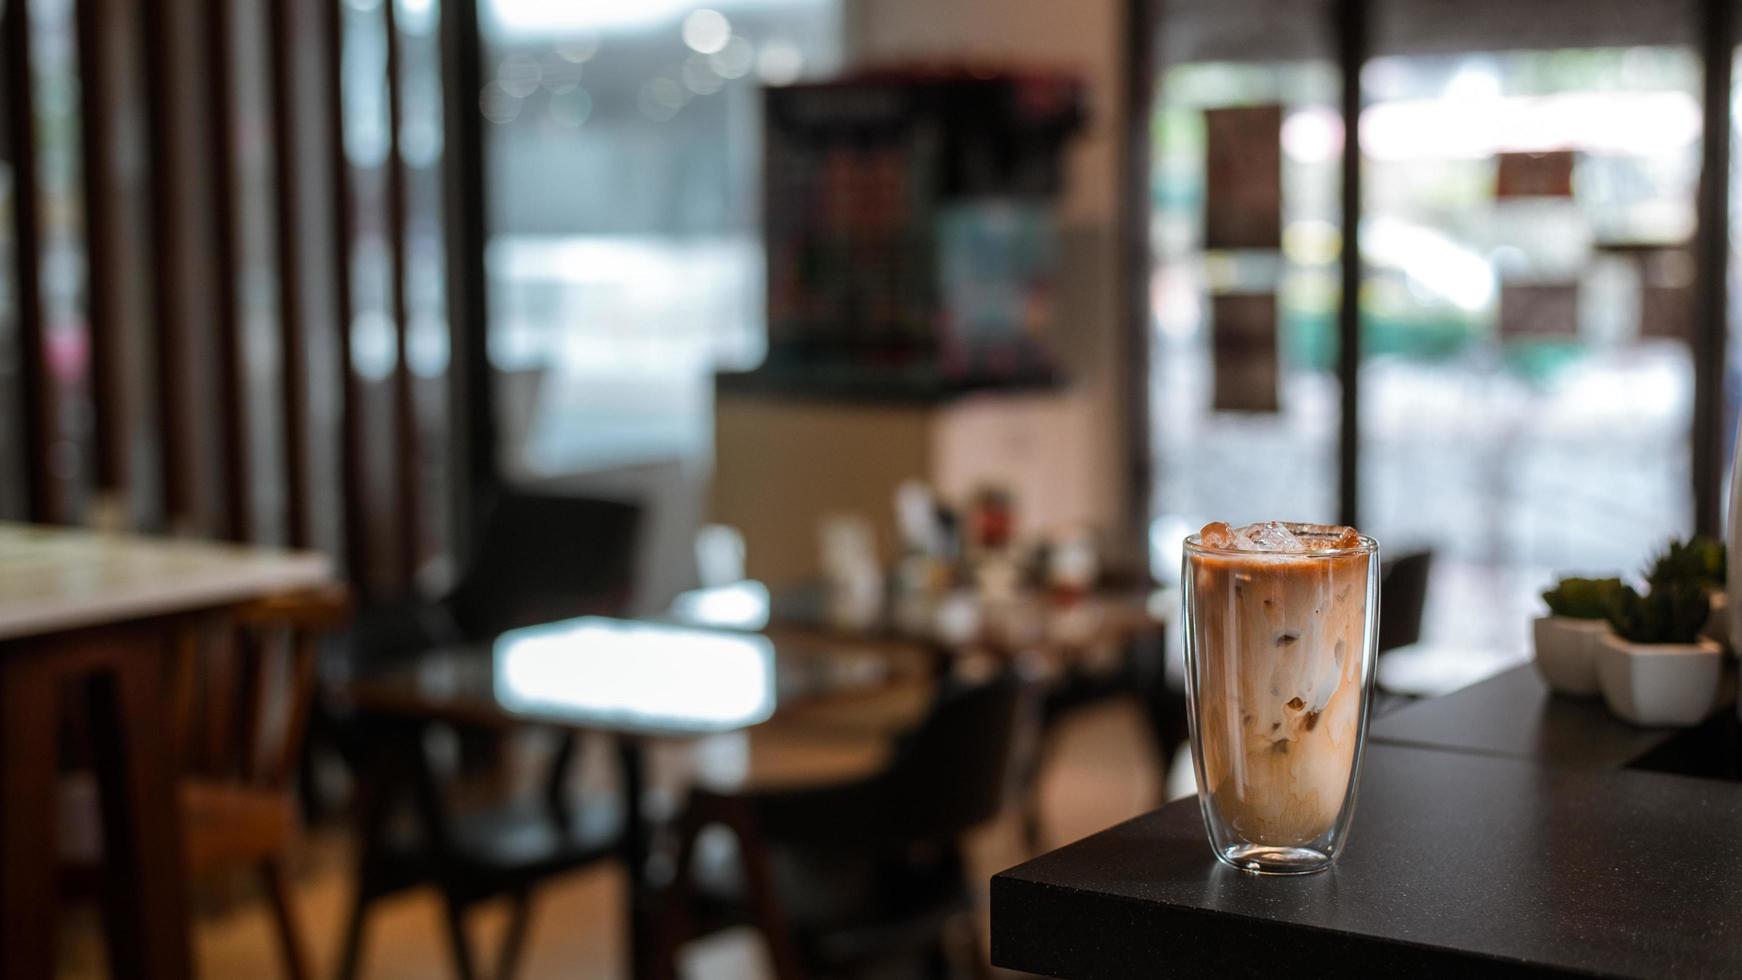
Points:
[[1660, 685], [1566, 653]]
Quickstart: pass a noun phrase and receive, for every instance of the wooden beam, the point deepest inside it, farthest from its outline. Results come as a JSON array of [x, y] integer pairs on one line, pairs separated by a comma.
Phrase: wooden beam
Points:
[[236, 485], [345, 237], [101, 119], [472, 406], [175, 441], [43, 492], [405, 432], [293, 348]]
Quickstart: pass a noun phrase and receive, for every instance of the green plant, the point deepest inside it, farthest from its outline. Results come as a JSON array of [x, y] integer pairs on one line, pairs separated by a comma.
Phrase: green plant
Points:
[[1699, 560], [1581, 598], [1672, 613]]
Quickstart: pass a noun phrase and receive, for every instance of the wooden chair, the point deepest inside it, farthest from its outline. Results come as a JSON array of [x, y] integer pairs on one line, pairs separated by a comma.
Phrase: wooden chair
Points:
[[858, 875], [413, 833], [1403, 598], [240, 710], [543, 556], [1403, 584]]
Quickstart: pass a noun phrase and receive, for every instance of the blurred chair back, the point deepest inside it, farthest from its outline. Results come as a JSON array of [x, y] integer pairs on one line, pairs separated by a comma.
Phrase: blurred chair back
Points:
[[545, 557], [240, 713], [954, 771], [241, 708], [1403, 598]]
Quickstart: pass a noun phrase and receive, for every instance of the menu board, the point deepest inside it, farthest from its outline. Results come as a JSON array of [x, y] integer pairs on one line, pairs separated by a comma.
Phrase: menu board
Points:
[[1539, 311], [1243, 344], [1243, 177], [1535, 174]]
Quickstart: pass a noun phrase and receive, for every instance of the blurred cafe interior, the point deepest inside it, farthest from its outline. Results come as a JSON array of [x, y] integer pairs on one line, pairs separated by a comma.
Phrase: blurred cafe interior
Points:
[[697, 488]]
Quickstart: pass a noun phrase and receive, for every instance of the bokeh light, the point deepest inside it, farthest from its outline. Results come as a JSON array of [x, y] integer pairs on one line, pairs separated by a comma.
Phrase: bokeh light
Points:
[[699, 76], [498, 104], [735, 59], [570, 109], [580, 48], [558, 74], [706, 31], [780, 63], [519, 75]]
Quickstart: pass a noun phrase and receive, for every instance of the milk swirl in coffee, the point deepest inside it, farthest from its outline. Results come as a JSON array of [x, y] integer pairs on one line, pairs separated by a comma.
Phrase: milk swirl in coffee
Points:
[[1279, 614]]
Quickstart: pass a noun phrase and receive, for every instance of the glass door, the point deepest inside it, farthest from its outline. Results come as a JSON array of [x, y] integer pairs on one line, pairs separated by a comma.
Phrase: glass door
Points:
[[1526, 374], [1244, 209]]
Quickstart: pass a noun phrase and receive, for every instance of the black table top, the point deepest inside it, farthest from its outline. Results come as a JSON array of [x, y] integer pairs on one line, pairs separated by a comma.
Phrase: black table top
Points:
[[1514, 714], [1456, 862]]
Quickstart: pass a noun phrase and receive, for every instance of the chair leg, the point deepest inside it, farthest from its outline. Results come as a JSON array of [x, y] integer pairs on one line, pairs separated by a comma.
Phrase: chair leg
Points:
[[519, 914], [1033, 832], [672, 926], [769, 919], [965, 933], [1032, 836], [351, 953], [284, 917], [455, 916]]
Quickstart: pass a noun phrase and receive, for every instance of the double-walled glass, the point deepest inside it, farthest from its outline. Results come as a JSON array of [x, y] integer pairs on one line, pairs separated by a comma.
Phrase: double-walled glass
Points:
[[1279, 672]]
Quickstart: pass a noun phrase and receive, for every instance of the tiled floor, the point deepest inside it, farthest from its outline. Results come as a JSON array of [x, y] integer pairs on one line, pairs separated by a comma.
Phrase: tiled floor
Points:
[[1103, 771]]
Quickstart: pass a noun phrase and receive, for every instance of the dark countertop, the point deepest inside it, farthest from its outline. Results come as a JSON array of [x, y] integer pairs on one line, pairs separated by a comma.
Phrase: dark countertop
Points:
[[1456, 862], [1514, 714]]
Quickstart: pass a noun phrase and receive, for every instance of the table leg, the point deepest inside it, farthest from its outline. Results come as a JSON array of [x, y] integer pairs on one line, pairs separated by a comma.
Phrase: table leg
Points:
[[145, 877], [29, 699], [642, 934]]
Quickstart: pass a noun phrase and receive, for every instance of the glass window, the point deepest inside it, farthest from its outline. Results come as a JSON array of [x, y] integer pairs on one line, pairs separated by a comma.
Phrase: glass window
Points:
[[623, 257], [1527, 381], [1243, 381], [1526, 372]]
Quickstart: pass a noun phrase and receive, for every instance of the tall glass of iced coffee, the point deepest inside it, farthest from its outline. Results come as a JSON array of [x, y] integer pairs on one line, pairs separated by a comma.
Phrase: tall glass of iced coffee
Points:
[[1281, 625]]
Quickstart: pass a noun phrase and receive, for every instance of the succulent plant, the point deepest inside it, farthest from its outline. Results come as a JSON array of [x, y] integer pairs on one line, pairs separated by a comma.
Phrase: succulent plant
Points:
[[1672, 613], [1581, 598], [1699, 559]]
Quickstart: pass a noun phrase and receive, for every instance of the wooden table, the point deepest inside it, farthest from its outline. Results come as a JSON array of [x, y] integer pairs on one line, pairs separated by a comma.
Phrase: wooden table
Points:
[[99, 610], [1103, 645], [1099, 624]]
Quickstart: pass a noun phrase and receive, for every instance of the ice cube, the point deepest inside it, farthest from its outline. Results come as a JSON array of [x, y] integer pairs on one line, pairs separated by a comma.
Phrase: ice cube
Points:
[[1328, 537], [1267, 536], [1216, 534]]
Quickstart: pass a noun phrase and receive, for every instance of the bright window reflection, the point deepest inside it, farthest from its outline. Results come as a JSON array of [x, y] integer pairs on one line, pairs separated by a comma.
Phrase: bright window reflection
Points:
[[624, 258], [739, 606], [637, 674]]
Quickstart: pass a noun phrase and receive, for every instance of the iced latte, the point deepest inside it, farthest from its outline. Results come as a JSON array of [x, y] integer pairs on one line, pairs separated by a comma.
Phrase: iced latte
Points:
[[1280, 625]]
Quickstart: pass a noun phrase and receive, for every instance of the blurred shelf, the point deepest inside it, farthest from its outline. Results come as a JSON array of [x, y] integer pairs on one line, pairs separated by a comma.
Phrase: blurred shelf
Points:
[[860, 383]]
